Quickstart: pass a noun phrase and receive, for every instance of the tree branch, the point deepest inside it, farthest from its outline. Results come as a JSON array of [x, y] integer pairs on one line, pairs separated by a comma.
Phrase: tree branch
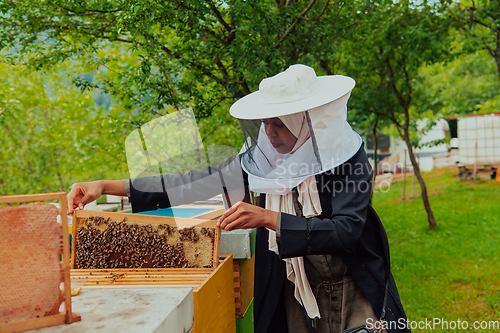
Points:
[[408, 84], [222, 69], [324, 64], [399, 132], [482, 23], [294, 24], [244, 85], [390, 74], [389, 116], [320, 14], [217, 14], [280, 3], [171, 53], [93, 11], [484, 44], [60, 181], [3, 187]]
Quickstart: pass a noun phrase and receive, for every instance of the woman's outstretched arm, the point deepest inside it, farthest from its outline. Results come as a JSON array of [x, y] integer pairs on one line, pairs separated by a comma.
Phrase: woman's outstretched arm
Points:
[[150, 193], [84, 193]]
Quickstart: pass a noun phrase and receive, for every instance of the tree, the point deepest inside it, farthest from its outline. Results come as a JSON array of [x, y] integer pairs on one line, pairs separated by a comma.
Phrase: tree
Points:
[[459, 86], [479, 20], [371, 125], [158, 56], [401, 37], [155, 57], [52, 135], [365, 118], [203, 54]]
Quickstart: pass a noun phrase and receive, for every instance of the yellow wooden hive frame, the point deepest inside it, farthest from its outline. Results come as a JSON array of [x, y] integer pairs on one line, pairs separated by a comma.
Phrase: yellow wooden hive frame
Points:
[[147, 219], [67, 316]]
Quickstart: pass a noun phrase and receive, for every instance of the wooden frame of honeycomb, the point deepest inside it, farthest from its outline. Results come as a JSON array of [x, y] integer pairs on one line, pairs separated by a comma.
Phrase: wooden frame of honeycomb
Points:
[[37, 319], [105, 240]]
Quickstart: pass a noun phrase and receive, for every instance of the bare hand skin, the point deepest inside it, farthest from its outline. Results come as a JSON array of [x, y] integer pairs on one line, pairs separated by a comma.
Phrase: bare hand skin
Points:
[[84, 193], [245, 216]]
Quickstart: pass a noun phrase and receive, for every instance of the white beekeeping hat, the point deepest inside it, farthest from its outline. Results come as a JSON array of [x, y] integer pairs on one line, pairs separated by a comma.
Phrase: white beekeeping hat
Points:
[[303, 102]]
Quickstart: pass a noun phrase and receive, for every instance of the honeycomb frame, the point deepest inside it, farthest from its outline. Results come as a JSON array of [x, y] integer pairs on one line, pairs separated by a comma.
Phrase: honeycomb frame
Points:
[[80, 217], [66, 316]]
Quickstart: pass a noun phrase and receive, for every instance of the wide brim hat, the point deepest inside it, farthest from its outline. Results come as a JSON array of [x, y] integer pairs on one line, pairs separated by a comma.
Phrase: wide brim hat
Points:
[[295, 90]]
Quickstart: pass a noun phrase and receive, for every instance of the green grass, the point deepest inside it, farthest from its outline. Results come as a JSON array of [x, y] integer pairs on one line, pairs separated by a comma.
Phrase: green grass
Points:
[[452, 272]]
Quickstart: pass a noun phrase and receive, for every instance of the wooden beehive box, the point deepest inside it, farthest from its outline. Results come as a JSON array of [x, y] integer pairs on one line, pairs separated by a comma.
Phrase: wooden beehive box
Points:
[[213, 290], [34, 261]]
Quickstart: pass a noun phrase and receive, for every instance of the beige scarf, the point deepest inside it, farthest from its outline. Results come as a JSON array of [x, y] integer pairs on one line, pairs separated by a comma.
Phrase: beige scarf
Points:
[[309, 199], [295, 270]]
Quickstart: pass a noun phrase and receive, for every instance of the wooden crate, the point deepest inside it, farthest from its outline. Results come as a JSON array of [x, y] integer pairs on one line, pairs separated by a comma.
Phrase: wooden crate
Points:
[[66, 316], [79, 215], [213, 292]]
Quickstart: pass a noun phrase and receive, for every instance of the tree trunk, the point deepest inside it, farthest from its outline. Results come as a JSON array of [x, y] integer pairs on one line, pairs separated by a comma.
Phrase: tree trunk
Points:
[[60, 181], [375, 164], [416, 171], [2, 186], [497, 53], [497, 59]]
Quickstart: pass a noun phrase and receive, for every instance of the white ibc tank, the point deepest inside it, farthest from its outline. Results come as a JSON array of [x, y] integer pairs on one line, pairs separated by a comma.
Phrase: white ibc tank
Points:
[[483, 130]]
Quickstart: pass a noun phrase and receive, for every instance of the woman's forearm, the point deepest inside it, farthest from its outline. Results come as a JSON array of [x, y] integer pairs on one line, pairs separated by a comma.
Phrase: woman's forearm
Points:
[[113, 187]]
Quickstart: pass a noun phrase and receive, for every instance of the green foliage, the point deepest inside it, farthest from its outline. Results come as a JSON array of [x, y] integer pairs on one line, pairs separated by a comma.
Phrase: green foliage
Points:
[[52, 135], [479, 22], [490, 106], [398, 39], [199, 54], [459, 86]]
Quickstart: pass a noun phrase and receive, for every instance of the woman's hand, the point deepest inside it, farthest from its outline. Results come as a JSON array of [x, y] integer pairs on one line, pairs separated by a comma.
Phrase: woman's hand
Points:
[[84, 193], [245, 216]]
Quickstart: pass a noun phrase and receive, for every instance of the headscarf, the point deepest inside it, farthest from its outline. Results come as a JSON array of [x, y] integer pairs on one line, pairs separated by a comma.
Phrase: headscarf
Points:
[[297, 125]]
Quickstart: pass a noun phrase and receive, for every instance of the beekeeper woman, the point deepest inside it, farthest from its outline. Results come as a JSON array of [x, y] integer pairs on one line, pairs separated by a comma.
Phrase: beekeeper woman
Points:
[[322, 257], [325, 254]]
